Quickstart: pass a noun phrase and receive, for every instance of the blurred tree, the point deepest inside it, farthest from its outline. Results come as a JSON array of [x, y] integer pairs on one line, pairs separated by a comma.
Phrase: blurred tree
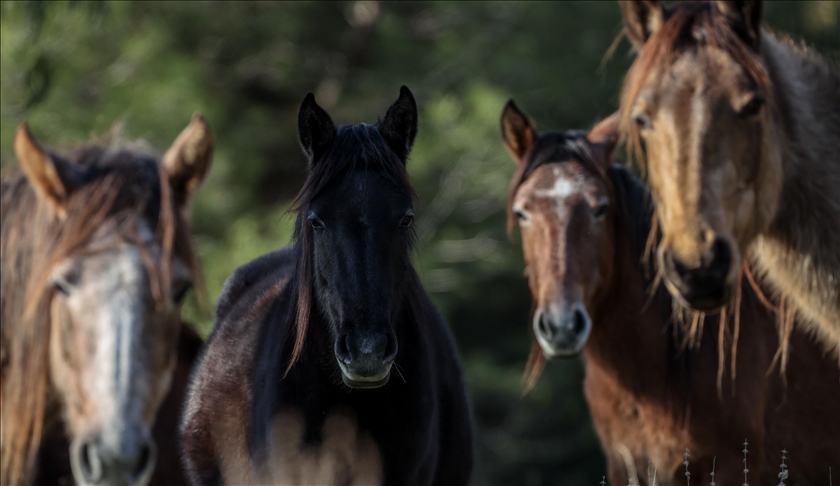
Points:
[[73, 70]]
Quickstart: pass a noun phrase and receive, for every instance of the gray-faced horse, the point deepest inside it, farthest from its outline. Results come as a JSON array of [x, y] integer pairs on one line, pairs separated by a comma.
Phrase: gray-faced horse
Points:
[[585, 225], [96, 260], [740, 129]]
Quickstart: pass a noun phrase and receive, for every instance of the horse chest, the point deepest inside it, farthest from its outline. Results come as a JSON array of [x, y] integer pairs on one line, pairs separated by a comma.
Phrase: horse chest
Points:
[[622, 418], [343, 445]]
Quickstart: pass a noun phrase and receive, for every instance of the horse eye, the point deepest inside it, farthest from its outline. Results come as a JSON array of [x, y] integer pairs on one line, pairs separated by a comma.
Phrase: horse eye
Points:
[[407, 220], [600, 210], [315, 221], [521, 215], [751, 107], [179, 291], [642, 120], [62, 285]]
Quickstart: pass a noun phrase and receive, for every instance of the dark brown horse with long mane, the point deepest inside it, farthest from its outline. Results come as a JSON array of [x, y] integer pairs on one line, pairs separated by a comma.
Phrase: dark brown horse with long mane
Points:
[[328, 363], [96, 260], [585, 225], [738, 130]]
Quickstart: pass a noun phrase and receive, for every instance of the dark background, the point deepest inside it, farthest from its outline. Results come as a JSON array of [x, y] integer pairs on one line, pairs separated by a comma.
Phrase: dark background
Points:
[[76, 70]]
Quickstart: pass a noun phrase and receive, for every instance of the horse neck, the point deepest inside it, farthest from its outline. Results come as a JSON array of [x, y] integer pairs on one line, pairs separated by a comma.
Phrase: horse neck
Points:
[[629, 340], [800, 248]]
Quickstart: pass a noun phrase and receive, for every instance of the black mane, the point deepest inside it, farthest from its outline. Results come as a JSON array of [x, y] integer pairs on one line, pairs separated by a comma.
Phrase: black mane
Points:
[[357, 146], [636, 222], [552, 147]]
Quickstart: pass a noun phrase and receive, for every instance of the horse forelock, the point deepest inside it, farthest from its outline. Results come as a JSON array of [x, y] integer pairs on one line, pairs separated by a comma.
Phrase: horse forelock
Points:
[[122, 189], [358, 146]]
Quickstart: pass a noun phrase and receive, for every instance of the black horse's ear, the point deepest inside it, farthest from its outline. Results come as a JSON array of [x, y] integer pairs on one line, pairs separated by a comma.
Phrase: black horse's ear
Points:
[[745, 18], [518, 132], [641, 19], [399, 127], [316, 129]]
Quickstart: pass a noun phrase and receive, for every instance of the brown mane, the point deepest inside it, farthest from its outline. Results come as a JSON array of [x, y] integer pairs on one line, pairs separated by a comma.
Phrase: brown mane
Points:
[[686, 25], [120, 186]]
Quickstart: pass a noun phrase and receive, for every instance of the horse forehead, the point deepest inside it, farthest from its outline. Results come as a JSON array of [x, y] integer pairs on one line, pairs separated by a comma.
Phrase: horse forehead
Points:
[[111, 234], [705, 71], [363, 191], [117, 269], [117, 259], [559, 182]]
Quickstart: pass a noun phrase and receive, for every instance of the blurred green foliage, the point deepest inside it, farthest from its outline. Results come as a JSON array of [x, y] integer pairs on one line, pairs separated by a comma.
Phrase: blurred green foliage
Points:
[[73, 70]]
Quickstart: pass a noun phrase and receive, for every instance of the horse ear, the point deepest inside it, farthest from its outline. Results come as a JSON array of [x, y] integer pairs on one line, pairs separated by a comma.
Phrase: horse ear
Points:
[[316, 130], [399, 127], [604, 137], [745, 18], [518, 132], [52, 178], [641, 19], [187, 160]]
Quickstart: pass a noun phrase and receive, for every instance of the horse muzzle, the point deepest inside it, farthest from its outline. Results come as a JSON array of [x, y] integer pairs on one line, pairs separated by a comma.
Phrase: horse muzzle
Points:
[[705, 287], [562, 332], [365, 358], [127, 461]]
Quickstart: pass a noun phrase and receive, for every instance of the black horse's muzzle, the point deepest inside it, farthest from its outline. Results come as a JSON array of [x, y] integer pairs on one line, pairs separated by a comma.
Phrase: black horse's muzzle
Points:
[[365, 358]]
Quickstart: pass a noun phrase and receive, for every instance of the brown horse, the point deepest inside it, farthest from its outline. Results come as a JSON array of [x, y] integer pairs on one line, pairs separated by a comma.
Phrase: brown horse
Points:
[[740, 130], [96, 260], [585, 226]]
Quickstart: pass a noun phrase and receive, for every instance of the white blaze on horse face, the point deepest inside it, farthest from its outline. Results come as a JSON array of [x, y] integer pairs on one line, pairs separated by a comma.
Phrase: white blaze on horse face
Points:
[[564, 186], [121, 341]]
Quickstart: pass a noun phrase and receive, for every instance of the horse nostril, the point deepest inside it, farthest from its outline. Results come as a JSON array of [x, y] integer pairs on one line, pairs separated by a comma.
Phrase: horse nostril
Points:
[[545, 327], [719, 257], [342, 348], [390, 348], [145, 460], [87, 461], [675, 265], [579, 322]]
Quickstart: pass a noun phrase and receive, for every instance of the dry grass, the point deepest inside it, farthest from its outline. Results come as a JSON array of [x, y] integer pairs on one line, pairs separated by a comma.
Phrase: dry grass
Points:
[[633, 477]]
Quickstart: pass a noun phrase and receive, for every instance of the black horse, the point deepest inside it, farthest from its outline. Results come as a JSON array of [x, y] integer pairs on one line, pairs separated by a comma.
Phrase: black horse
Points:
[[328, 363]]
